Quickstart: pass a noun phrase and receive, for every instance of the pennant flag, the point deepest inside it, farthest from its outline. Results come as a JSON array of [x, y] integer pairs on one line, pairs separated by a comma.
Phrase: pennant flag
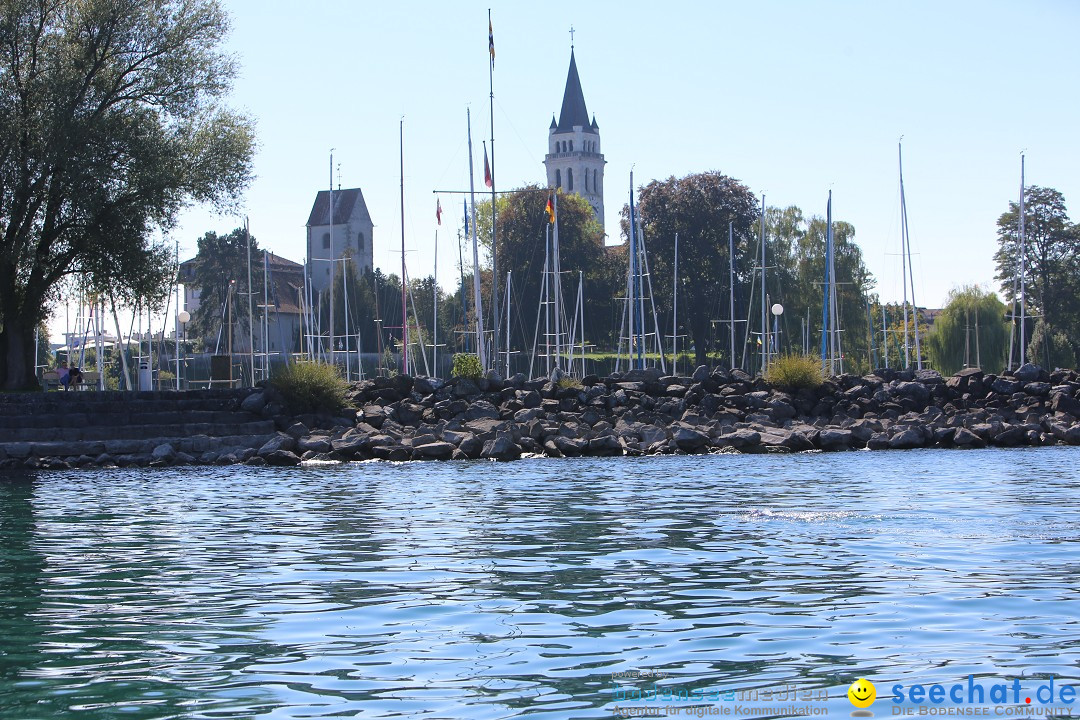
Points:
[[465, 204], [438, 211], [487, 168], [550, 209], [491, 43]]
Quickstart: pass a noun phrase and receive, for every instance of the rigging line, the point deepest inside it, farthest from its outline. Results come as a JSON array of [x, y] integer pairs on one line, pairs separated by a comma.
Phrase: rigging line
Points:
[[527, 146]]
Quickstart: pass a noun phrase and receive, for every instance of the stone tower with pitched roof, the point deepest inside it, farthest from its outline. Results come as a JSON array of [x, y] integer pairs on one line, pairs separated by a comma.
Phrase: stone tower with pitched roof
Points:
[[574, 161]]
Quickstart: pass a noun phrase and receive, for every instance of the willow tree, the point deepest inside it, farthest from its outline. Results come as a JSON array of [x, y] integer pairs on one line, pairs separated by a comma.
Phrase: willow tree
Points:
[[971, 331], [111, 121]]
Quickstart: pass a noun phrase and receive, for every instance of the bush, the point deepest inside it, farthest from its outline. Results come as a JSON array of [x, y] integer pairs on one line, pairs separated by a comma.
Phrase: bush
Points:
[[311, 387], [569, 382], [467, 365], [795, 372]]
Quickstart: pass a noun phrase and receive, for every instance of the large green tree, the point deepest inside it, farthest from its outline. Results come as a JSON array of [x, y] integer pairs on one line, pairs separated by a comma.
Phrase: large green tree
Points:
[[111, 121], [221, 275], [699, 209], [522, 230], [1052, 262], [970, 331]]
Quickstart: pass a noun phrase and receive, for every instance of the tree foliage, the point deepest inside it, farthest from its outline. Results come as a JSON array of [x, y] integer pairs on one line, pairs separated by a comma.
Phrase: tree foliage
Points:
[[522, 231], [111, 121], [220, 273], [699, 208], [970, 330], [1052, 261]]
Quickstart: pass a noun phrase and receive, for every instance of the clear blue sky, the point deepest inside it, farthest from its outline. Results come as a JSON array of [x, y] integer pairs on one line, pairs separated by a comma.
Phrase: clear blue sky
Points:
[[792, 98]]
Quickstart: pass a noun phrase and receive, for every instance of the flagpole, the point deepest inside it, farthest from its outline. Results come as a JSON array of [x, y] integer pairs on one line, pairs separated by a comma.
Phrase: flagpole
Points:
[[404, 313], [477, 304], [435, 306], [494, 253]]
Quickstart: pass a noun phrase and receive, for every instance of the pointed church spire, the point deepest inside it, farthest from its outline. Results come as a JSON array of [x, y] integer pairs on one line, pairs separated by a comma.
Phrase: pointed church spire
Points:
[[573, 102]]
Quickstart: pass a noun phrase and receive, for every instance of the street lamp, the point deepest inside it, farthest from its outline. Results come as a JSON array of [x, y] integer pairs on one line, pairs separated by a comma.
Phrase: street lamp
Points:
[[182, 318], [777, 311]]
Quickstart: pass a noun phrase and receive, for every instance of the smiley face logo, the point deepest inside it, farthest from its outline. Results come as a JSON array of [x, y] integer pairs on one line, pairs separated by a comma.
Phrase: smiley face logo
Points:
[[862, 693]]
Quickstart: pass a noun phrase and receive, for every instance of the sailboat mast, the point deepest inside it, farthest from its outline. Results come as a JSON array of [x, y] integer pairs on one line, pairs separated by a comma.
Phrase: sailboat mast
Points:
[[675, 312], [731, 288], [903, 254], [1023, 271], [333, 357], [251, 317], [478, 306], [764, 302], [632, 285], [911, 276], [836, 360], [825, 298], [494, 253], [434, 312], [404, 313]]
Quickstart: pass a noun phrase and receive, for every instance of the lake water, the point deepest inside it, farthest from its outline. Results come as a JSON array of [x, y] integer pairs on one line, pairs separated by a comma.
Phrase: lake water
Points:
[[482, 590]]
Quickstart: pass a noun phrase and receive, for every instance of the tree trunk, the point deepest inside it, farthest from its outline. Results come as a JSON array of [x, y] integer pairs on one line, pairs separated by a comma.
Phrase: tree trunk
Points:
[[17, 370]]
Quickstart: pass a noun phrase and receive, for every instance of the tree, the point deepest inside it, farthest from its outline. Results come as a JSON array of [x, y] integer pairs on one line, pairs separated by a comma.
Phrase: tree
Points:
[[522, 227], [971, 329], [111, 121], [699, 208], [1052, 261], [220, 273]]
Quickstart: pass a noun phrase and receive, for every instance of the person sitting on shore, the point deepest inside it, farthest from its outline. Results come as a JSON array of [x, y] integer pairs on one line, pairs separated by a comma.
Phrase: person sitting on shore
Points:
[[63, 374], [76, 377]]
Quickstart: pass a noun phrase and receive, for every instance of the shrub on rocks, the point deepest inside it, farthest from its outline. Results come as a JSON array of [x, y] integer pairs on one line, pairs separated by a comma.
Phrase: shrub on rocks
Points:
[[795, 372], [467, 365], [311, 387]]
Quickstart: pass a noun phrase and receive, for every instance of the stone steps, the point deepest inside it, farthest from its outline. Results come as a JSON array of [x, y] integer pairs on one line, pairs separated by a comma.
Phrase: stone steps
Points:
[[75, 424]]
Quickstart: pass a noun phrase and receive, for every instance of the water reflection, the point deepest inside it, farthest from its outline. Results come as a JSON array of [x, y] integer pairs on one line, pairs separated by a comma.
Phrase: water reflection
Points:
[[485, 590]]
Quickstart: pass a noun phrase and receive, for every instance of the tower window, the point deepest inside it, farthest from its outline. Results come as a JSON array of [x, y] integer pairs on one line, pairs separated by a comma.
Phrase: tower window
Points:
[[558, 178], [586, 181], [570, 179], [326, 241], [360, 241], [571, 146]]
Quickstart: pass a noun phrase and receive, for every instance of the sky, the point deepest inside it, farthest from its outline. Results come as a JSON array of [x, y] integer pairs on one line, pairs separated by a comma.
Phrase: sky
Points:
[[792, 98]]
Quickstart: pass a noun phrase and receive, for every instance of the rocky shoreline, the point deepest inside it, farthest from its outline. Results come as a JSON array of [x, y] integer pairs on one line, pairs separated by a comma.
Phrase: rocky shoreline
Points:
[[634, 413]]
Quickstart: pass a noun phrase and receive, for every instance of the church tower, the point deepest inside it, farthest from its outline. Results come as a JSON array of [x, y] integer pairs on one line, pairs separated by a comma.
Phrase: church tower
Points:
[[574, 161]]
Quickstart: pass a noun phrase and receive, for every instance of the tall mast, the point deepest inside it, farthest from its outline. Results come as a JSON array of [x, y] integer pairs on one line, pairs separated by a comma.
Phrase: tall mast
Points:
[[251, 317], [333, 356], [825, 299], [910, 274], [633, 284], [837, 359], [764, 302], [494, 253], [903, 254], [434, 312], [556, 284], [1023, 270], [478, 306], [674, 312], [731, 287], [404, 314]]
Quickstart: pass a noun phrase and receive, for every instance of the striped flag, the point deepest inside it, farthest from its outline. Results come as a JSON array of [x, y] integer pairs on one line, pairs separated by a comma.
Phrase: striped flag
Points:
[[550, 209], [438, 211], [491, 42]]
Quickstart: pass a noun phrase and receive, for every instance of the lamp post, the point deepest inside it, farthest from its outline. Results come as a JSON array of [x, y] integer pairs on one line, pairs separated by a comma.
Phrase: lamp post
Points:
[[182, 318], [777, 311]]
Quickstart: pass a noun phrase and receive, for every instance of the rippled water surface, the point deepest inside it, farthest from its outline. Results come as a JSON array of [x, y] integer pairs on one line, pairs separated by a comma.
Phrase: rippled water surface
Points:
[[478, 590]]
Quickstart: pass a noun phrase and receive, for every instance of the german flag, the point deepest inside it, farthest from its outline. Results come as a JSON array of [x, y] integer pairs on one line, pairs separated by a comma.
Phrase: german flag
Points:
[[550, 209]]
